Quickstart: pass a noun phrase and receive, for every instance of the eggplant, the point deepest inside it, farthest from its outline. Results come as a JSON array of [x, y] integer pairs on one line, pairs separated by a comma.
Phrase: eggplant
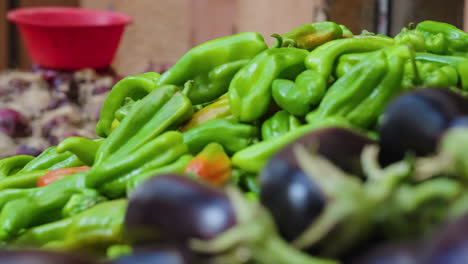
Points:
[[40, 257], [14, 124], [458, 122], [415, 121], [449, 245], [292, 197], [156, 255], [176, 208], [392, 253]]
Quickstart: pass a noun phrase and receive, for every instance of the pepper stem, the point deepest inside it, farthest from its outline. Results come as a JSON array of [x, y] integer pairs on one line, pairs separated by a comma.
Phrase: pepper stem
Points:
[[279, 40]]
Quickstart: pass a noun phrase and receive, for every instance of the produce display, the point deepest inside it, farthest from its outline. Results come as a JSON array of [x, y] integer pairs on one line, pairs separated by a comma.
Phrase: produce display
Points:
[[324, 148], [42, 107]]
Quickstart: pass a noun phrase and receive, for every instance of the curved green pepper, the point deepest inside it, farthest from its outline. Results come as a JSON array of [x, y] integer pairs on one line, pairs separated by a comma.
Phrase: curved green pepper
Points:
[[322, 59], [212, 64], [134, 87], [443, 38], [309, 36], [207, 87], [279, 124], [347, 33], [297, 97], [232, 135], [250, 89], [97, 227], [254, 158], [85, 149], [11, 165]]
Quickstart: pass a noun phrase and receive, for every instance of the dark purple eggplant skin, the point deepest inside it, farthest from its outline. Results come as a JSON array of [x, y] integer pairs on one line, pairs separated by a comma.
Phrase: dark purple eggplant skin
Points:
[[156, 255], [449, 245], [459, 122], [177, 208], [40, 257], [292, 197], [391, 253], [415, 121], [14, 124]]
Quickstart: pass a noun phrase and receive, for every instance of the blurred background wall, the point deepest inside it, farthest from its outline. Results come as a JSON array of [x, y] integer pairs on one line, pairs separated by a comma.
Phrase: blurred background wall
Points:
[[163, 30]]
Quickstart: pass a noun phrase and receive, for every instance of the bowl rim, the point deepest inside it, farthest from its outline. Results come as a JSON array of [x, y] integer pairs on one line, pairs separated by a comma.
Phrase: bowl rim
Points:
[[17, 16]]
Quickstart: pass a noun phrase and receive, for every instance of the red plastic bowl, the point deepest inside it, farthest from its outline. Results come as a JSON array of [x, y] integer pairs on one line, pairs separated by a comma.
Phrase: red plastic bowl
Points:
[[70, 38]]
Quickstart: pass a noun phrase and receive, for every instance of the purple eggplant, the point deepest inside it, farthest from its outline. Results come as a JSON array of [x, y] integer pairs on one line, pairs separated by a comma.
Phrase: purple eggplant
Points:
[[415, 121], [291, 196], [391, 253], [176, 208], [14, 124], [449, 245], [156, 255], [40, 257]]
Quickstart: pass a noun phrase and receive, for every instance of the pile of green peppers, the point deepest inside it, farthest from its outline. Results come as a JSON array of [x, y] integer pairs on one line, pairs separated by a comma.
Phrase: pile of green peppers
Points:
[[236, 91]]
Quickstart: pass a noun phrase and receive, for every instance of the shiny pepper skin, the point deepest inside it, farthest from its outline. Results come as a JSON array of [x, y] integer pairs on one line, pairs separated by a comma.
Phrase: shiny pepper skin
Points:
[[212, 165]]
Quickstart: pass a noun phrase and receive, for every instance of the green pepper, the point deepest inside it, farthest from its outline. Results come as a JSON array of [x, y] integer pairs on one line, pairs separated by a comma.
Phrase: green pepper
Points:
[[218, 109], [85, 149], [22, 180], [361, 94], [97, 227], [50, 159], [429, 75], [297, 97], [370, 107], [443, 38], [432, 69], [250, 89], [177, 166], [209, 86], [309, 36], [81, 201], [133, 148], [23, 208], [413, 37], [347, 33], [125, 108], [112, 175], [459, 63], [163, 108], [232, 135], [254, 158], [279, 124], [322, 59], [212, 65], [134, 87], [11, 165]]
